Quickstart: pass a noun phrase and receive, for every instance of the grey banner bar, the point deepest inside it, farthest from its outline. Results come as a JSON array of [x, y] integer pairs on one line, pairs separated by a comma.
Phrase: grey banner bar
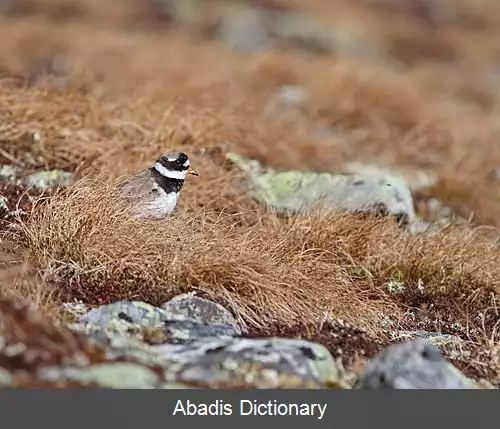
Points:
[[333, 409]]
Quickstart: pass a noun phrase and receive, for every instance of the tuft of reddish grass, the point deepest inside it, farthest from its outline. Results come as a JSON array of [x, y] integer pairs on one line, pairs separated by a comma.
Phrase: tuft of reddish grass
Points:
[[87, 242]]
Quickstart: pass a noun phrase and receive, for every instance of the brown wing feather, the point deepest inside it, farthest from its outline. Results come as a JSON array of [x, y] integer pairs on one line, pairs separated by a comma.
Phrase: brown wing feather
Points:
[[141, 185]]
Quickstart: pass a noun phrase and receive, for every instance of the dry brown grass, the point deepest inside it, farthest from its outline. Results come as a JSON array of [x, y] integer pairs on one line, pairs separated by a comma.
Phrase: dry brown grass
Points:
[[128, 91]]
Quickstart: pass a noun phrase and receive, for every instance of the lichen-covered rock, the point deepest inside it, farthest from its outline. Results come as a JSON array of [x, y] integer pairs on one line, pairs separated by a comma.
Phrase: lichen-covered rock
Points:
[[412, 365], [123, 340], [292, 192], [132, 312], [115, 375], [207, 355], [185, 318], [191, 307], [49, 179], [250, 363], [166, 353], [183, 331]]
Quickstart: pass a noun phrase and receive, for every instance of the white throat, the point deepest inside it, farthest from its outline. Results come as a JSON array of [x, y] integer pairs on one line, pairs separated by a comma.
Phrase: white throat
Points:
[[171, 174]]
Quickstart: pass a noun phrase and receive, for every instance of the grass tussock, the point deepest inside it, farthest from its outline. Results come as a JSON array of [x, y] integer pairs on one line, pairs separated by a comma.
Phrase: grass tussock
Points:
[[88, 243]]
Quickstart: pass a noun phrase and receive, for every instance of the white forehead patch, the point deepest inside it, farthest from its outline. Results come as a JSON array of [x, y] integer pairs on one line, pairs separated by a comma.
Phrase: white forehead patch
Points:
[[186, 164]]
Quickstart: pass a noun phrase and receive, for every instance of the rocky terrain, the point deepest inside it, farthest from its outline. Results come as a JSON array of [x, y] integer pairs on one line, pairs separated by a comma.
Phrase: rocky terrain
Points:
[[342, 232]]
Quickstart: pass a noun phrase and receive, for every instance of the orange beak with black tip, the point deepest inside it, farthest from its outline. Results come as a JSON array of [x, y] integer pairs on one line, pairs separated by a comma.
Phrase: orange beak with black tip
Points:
[[193, 172]]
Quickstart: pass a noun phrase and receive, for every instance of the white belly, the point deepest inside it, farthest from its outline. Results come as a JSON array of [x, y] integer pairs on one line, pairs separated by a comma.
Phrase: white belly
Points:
[[161, 206]]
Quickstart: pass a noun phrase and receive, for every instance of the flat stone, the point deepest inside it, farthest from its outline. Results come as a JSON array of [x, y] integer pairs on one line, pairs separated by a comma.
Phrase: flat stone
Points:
[[294, 192], [191, 307]]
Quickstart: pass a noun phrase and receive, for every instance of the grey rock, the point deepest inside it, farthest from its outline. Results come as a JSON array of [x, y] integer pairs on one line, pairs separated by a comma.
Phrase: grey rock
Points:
[[121, 341], [223, 361], [191, 318], [254, 363], [198, 346], [184, 331], [191, 307], [131, 312], [127, 328], [412, 365], [124, 328], [119, 375], [49, 179], [244, 29]]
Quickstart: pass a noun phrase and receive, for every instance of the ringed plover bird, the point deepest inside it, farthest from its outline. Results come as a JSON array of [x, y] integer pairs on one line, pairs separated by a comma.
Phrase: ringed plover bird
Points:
[[156, 190]]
